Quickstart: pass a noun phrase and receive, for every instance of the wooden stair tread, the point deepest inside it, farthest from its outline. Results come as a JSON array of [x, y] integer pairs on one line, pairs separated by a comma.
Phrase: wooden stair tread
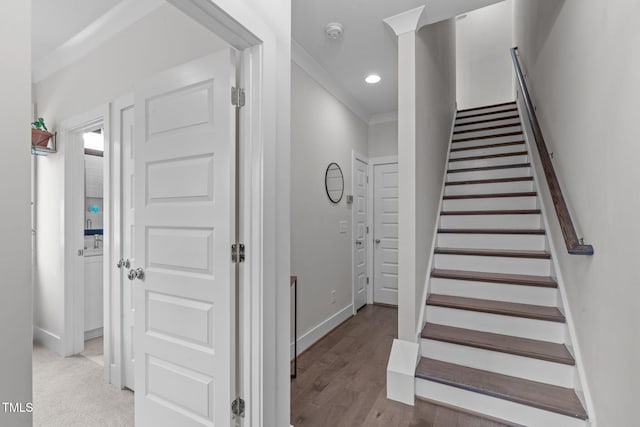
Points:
[[490, 181], [502, 253], [488, 168], [509, 279], [502, 104], [495, 212], [479, 122], [490, 156], [547, 397], [508, 125], [536, 349], [507, 110], [484, 147], [497, 135], [538, 312], [490, 195], [536, 231]]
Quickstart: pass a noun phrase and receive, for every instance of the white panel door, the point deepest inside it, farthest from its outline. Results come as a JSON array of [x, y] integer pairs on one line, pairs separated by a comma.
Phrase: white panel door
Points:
[[184, 217], [127, 132], [385, 234], [360, 233]]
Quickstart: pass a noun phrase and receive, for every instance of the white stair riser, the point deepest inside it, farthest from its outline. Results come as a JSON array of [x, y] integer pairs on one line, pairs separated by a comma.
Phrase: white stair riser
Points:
[[501, 363], [491, 264], [510, 129], [529, 202], [493, 406], [487, 110], [514, 122], [490, 221], [488, 151], [486, 141], [507, 325], [491, 188], [494, 161], [494, 291], [489, 174], [524, 242]]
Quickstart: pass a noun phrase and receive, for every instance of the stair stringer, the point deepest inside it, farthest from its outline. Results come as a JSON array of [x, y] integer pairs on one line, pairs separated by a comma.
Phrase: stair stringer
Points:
[[580, 384], [422, 320]]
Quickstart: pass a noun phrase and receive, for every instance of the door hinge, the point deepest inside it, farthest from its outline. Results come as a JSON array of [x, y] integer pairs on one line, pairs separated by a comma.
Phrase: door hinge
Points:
[[367, 229], [237, 407], [237, 253], [237, 97], [367, 179], [367, 280]]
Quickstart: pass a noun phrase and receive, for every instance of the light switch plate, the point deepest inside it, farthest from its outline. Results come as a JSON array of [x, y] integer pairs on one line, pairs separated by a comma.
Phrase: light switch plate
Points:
[[343, 227]]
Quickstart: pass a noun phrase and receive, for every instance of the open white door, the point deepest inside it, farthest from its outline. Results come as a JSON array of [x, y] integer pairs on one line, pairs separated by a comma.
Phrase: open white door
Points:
[[184, 217], [360, 221], [385, 233]]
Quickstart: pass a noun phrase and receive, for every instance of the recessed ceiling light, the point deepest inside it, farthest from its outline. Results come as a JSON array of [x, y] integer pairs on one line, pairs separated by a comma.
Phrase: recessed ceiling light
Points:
[[372, 79]]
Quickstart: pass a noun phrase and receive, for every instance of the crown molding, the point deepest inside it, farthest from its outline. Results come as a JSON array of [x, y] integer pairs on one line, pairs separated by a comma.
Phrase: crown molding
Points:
[[304, 60], [120, 17], [406, 21]]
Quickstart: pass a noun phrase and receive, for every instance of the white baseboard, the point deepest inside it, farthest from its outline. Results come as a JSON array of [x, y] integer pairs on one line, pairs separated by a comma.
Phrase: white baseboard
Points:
[[314, 335], [48, 340], [93, 333]]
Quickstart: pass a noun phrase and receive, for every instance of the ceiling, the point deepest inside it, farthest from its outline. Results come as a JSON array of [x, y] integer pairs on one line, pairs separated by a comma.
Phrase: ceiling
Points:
[[55, 22], [367, 44]]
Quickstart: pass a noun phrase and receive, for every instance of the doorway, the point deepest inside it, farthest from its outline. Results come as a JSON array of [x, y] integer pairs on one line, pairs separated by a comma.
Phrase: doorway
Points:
[[360, 227]]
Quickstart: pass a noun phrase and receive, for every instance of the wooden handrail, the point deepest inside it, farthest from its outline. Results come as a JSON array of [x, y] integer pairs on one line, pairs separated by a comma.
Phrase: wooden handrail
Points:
[[574, 245]]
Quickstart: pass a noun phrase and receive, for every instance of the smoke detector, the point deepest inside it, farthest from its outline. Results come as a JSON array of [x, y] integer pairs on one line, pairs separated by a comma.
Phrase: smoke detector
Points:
[[333, 30]]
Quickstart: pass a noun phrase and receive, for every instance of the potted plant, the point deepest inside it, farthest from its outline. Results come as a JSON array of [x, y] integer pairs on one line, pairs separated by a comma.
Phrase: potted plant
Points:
[[39, 133]]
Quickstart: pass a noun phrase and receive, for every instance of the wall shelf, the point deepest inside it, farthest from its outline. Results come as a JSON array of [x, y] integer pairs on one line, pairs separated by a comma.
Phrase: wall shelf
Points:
[[45, 151]]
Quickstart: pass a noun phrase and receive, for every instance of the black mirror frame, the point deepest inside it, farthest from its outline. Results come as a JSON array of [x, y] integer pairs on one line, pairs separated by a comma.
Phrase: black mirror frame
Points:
[[325, 183]]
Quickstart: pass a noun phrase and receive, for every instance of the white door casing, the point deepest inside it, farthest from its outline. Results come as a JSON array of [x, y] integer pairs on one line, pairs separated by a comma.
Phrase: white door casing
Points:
[[360, 223], [127, 133], [385, 233], [184, 216]]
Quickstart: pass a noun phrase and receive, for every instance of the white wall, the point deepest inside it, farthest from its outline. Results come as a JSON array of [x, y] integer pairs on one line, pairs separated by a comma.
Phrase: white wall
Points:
[[168, 38], [426, 106], [383, 139], [435, 109], [323, 130], [583, 75], [484, 71], [15, 245]]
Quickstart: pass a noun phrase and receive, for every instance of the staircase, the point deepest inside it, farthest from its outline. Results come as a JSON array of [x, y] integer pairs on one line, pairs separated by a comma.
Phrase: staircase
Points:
[[495, 339]]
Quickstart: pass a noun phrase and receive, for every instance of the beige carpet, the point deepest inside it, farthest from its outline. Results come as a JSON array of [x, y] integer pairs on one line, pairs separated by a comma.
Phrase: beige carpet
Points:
[[71, 391]]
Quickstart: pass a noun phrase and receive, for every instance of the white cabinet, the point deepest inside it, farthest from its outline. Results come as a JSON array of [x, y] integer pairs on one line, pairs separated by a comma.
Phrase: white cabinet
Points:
[[93, 316]]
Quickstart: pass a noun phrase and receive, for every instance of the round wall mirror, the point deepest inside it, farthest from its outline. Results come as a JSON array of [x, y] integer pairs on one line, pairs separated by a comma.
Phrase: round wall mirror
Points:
[[334, 182]]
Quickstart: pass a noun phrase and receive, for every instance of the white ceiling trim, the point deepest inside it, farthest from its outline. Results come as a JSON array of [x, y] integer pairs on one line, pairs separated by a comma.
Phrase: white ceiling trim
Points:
[[305, 61], [406, 21], [102, 29], [376, 119]]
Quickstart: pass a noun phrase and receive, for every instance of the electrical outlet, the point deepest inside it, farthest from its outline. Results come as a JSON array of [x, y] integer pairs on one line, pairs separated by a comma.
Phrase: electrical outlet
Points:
[[333, 296]]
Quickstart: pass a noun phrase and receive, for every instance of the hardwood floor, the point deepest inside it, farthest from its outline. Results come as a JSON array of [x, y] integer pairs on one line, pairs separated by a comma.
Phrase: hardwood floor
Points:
[[341, 381]]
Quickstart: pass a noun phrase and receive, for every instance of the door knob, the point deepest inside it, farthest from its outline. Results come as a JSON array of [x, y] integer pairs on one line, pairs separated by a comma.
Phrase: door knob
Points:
[[123, 263], [138, 273], [359, 242], [377, 240]]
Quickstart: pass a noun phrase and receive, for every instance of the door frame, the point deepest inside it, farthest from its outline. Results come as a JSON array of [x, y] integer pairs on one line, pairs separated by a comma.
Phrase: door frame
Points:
[[114, 368], [373, 162], [71, 131], [355, 156], [262, 277]]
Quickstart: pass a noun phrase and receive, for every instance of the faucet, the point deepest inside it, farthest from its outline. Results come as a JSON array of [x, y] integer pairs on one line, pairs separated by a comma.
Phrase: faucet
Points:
[[89, 223], [96, 241]]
